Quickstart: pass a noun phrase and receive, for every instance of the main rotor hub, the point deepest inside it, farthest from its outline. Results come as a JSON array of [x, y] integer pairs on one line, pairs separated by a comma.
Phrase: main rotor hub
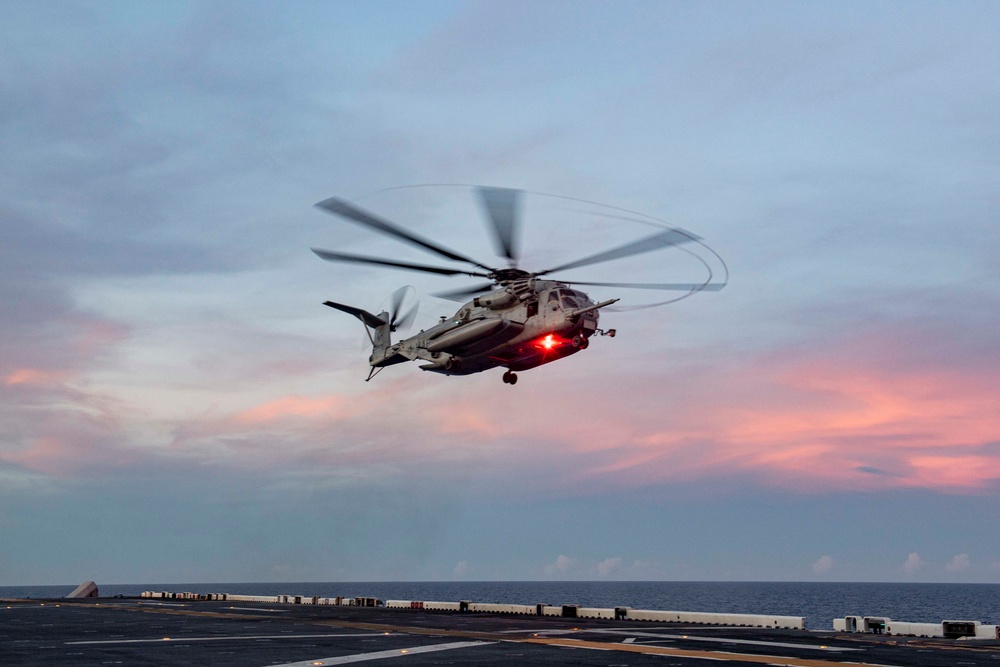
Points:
[[507, 276]]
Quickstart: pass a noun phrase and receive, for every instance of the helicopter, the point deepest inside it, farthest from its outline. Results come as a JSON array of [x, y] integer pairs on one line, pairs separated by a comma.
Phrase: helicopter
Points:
[[519, 320]]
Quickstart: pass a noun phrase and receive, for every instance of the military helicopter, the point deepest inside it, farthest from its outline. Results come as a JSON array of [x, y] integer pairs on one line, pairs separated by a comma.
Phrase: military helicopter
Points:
[[518, 320]]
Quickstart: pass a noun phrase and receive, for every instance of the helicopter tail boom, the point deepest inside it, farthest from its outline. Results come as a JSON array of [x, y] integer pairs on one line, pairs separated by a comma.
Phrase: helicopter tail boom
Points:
[[382, 354], [373, 321]]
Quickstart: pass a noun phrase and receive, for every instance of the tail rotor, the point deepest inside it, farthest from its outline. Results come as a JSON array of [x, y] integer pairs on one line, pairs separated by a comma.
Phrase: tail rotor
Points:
[[403, 307]]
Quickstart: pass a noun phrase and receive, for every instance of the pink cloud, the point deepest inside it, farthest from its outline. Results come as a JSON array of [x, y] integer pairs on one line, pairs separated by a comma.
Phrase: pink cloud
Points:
[[325, 407], [48, 455], [956, 471], [853, 416], [371, 431], [68, 455], [94, 335], [809, 425], [858, 414], [33, 377]]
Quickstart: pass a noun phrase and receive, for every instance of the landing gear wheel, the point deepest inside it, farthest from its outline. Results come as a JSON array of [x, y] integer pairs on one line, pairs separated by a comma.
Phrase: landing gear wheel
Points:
[[510, 378], [580, 342], [453, 364]]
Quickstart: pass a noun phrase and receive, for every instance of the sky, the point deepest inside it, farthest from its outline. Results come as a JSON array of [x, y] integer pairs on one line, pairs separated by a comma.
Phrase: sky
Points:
[[176, 405]]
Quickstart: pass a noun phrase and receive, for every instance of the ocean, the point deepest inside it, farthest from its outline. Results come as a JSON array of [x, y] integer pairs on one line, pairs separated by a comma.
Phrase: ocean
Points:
[[819, 603]]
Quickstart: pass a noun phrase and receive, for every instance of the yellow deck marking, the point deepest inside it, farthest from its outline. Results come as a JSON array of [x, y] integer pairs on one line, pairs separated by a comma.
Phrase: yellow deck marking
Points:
[[694, 653]]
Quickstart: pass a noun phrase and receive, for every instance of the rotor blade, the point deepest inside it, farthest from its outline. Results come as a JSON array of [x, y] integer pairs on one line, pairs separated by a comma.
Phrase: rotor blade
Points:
[[396, 300], [664, 239], [683, 287], [465, 292], [407, 318], [646, 306], [331, 256], [340, 207], [502, 208]]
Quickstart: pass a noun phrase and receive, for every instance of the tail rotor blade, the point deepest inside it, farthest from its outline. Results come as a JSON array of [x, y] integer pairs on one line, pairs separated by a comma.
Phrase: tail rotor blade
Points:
[[397, 318], [407, 318], [396, 300], [502, 208]]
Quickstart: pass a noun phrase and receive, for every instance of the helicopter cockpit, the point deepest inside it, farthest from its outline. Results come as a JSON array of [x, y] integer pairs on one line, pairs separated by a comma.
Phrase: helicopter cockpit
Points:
[[567, 299]]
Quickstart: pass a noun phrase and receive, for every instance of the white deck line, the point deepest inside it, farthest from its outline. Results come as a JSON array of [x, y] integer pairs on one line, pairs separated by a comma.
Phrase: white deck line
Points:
[[380, 655], [225, 638]]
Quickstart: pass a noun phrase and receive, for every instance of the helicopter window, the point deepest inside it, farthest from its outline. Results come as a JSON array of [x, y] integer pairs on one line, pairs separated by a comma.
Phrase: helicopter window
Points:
[[582, 299], [532, 308], [553, 296], [569, 302]]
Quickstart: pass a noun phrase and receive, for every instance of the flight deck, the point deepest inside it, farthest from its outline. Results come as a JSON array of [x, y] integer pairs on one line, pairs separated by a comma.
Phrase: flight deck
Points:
[[130, 631]]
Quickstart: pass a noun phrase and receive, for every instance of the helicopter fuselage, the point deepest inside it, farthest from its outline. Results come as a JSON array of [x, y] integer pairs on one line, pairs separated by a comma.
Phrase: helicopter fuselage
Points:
[[518, 327]]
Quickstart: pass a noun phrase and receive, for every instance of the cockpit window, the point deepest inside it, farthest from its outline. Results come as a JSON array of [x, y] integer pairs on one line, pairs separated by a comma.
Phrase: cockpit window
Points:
[[569, 302], [568, 298]]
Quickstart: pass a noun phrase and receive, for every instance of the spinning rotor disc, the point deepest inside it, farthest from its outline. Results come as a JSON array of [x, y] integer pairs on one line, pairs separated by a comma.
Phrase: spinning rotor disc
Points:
[[501, 209]]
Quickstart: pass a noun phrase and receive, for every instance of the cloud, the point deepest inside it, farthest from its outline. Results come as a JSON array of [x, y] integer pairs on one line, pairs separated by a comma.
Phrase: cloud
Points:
[[823, 565], [958, 563], [293, 406], [609, 566], [562, 567], [912, 563], [159, 308], [872, 470], [33, 376], [614, 567], [849, 412], [789, 421]]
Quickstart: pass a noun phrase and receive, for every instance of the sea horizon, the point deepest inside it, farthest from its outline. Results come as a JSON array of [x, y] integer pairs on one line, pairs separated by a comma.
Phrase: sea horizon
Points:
[[818, 602]]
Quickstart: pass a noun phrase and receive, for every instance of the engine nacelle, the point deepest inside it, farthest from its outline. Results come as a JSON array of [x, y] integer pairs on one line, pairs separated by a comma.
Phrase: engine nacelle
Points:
[[496, 300]]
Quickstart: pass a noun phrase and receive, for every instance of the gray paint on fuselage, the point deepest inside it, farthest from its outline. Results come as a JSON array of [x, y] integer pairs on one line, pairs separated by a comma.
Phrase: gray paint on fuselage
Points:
[[510, 343]]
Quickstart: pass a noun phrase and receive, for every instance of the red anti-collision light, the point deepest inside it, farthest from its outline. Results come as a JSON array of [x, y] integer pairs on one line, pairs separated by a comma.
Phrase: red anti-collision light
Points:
[[549, 342]]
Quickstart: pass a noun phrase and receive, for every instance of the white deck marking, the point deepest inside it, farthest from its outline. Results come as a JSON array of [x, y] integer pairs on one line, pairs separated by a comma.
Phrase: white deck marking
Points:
[[537, 631], [273, 611], [379, 655], [723, 640], [184, 640]]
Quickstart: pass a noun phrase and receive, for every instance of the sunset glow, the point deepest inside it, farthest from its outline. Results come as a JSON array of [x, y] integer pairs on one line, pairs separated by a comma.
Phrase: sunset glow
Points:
[[177, 404]]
